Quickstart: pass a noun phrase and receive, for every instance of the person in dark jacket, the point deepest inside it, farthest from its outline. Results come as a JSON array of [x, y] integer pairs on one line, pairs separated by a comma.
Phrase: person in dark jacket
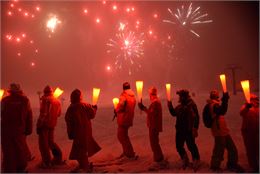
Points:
[[16, 124], [187, 125], [125, 116], [50, 110], [154, 124], [221, 134], [250, 131], [78, 119]]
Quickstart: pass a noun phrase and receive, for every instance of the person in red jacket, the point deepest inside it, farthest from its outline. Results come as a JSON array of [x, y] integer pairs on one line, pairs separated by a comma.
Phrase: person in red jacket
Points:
[[250, 131], [78, 119], [50, 110], [125, 115], [154, 123], [16, 124], [220, 132]]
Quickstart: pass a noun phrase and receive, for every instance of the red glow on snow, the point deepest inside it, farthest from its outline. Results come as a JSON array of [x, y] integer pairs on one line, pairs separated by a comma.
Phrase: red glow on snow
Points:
[[85, 10], [26, 14], [37, 8], [32, 64], [133, 9], [19, 54], [23, 35], [104, 2], [150, 32], [12, 5], [31, 41], [19, 9]]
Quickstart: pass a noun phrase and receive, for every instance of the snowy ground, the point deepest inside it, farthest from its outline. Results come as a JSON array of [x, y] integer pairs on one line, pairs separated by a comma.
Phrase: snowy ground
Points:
[[104, 131]]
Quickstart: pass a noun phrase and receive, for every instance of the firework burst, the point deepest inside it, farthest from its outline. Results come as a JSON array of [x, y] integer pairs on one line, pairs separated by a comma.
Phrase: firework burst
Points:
[[127, 48], [187, 17]]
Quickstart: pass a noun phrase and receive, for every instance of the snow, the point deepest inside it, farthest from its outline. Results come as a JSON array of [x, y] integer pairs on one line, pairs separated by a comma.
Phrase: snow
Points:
[[105, 131]]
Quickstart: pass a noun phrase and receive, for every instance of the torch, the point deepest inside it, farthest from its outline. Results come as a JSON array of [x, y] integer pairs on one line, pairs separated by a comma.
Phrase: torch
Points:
[[168, 91], [139, 88], [1, 93], [115, 102], [246, 89], [223, 82], [96, 92], [57, 92]]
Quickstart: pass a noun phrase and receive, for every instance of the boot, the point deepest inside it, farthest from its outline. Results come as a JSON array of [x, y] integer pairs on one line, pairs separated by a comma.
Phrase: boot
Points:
[[185, 162]]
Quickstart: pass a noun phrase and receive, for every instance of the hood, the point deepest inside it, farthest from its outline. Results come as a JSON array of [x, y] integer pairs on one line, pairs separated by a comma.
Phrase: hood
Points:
[[129, 92]]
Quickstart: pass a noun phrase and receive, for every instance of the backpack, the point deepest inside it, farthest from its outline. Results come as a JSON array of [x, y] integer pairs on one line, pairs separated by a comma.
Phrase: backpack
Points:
[[207, 117]]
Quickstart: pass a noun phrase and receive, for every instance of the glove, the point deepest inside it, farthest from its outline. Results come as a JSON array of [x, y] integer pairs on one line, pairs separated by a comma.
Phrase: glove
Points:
[[94, 106], [169, 104], [194, 132], [248, 105], [141, 106], [225, 97], [115, 112]]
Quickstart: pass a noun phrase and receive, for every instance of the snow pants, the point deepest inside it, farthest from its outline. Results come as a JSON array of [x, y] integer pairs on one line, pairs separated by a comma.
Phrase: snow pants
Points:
[[251, 141], [181, 138], [122, 135], [46, 143], [15, 155], [222, 143], [156, 148]]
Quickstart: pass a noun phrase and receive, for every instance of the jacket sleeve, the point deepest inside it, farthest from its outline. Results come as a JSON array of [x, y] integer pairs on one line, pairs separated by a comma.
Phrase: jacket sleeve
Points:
[[122, 104], [171, 109], [28, 119], [91, 112], [221, 109], [69, 123], [244, 110], [197, 117]]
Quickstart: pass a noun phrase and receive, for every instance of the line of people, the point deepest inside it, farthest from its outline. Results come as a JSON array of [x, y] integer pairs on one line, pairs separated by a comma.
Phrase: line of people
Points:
[[16, 125]]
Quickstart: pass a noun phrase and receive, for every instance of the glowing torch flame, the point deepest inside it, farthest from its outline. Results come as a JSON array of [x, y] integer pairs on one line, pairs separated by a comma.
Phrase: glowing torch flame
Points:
[[96, 92], [139, 88], [223, 82], [57, 92], [115, 102], [246, 89], [1, 93], [168, 91]]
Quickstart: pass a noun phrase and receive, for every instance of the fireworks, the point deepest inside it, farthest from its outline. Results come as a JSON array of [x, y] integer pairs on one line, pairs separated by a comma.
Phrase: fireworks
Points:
[[52, 23], [188, 18], [127, 48]]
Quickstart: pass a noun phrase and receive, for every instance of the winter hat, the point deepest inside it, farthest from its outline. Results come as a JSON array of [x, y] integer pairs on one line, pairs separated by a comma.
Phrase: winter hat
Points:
[[14, 88], [214, 94], [75, 96], [183, 93], [47, 90], [126, 86], [153, 91]]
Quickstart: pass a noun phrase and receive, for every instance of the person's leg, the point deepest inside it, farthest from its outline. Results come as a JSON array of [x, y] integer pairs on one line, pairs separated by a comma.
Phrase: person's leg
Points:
[[56, 151], [180, 139], [190, 140], [232, 152], [218, 152], [44, 147], [155, 146], [8, 150], [251, 142], [123, 138]]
